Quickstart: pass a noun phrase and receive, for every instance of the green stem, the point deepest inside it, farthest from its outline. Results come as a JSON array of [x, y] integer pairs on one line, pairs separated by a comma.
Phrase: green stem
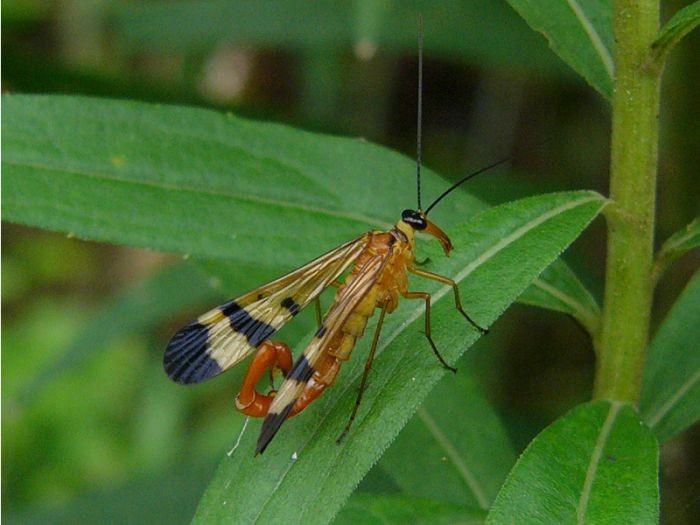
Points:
[[628, 289]]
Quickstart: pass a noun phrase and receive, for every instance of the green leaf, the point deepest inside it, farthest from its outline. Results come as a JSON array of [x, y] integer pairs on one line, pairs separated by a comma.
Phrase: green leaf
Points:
[[675, 246], [597, 464], [198, 182], [558, 288], [670, 399], [187, 179], [496, 36], [382, 509], [580, 32], [462, 459], [138, 309], [681, 23], [500, 252]]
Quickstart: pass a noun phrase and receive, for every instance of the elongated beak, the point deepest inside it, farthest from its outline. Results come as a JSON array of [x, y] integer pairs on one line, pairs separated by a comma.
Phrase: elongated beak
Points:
[[441, 236]]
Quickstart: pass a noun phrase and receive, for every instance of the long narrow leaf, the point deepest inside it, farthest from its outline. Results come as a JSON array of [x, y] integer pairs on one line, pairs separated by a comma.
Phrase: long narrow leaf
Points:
[[681, 23], [675, 246], [597, 464], [671, 388], [499, 253], [558, 288], [580, 32], [197, 182], [462, 459], [387, 510], [194, 181]]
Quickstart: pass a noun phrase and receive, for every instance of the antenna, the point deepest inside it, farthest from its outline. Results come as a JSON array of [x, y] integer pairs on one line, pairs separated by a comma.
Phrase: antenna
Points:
[[465, 179], [478, 172], [419, 146]]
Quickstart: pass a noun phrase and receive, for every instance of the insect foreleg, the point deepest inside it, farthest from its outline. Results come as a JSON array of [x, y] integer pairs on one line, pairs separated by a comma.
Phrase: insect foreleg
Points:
[[368, 367], [426, 297], [268, 356], [446, 280]]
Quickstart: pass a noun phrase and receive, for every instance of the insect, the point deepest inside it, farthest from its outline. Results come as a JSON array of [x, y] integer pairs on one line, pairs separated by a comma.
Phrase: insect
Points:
[[378, 262]]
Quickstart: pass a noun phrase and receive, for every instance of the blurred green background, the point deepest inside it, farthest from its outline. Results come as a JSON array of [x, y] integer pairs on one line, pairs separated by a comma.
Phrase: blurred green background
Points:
[[92, 430]]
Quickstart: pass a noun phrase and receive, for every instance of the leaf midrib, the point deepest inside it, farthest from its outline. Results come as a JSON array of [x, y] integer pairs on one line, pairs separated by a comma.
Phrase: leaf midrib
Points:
[[674, 244], [596, 454], [587, 316], [488, 254], [200, 191], [673, 400], [594, 37], [452, 453]]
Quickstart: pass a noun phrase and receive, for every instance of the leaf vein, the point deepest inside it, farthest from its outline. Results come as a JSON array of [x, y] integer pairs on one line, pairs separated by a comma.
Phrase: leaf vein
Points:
[[241, 197], [678, 242], [595, 460], [488, 254], [673, 400], [587, 317], [592, 32], [452, 453]]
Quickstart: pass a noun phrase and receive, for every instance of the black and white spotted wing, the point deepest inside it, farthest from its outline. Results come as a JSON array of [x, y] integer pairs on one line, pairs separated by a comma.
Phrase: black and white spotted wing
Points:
[[224, 336]]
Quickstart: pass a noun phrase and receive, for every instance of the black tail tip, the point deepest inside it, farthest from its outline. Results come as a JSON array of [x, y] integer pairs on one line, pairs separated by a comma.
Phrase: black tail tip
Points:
[[270, 427]]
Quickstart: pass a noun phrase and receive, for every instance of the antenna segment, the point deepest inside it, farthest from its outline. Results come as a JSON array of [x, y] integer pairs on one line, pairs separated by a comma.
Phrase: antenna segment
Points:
[[465, 179], [419, 146]]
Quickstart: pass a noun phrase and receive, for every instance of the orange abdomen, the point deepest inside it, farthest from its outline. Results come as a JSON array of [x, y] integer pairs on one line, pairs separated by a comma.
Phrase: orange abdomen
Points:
[[383, 293]]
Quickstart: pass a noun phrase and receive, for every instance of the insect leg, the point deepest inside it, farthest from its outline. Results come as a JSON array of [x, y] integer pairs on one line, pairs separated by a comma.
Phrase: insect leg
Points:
[[426, 297], [268, 356], [319, 320], [446, 280], [368, 367]]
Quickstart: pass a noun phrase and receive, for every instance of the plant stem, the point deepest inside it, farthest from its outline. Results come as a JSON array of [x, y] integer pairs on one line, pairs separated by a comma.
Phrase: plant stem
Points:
[[628, 288]]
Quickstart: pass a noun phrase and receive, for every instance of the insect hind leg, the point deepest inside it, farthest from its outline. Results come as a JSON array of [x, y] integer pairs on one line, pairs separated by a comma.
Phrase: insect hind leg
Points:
[[426, 297], [269, 356], [458, 302]]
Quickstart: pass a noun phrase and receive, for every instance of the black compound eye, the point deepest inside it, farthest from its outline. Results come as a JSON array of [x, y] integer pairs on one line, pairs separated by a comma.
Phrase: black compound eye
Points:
[[415, 219]]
